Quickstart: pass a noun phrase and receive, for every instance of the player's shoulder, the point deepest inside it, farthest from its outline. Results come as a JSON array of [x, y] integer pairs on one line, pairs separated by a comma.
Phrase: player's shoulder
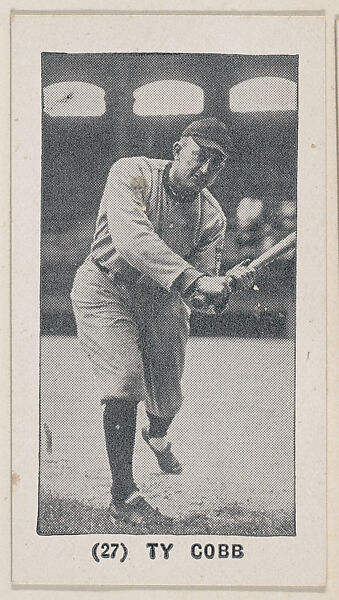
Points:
[[212, 207], [137, 171], [141, 163]]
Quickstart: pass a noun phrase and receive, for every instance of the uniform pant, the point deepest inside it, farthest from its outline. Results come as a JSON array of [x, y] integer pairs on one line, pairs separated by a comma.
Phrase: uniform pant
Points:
[[135, 337]]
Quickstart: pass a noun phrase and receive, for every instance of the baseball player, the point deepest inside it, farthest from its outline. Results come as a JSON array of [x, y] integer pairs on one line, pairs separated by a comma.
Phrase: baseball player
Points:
[[158, 240]]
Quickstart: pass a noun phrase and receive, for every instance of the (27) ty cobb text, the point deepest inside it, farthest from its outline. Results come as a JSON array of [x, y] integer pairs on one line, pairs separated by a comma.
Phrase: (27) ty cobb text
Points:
[[160, 550]]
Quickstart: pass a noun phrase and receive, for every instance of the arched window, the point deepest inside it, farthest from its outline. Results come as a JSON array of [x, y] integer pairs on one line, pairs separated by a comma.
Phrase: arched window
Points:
[[168, 97], [262, 94], [74, 99]]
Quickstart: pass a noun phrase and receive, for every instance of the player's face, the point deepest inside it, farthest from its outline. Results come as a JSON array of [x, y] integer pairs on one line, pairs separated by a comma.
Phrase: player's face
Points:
[[196, 167]]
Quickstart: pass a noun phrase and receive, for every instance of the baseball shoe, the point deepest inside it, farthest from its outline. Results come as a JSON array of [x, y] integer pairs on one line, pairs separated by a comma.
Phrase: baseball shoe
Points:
[[168, 463], [138, 511]]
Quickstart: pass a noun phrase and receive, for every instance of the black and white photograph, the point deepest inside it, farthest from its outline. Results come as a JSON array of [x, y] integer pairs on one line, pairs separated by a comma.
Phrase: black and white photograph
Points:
[[168, 300], [168, 283]]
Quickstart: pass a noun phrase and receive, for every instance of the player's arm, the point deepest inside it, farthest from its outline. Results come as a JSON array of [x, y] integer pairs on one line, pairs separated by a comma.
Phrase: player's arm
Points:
[[134, 237], [207, 259], [133, 234]]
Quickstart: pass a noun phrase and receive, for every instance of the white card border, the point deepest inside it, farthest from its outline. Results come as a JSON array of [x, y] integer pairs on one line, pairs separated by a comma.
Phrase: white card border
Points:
[[329, 8]]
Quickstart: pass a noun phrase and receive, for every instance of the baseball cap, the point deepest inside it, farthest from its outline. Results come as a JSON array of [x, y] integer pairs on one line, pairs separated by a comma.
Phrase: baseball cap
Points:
[[211, 133]]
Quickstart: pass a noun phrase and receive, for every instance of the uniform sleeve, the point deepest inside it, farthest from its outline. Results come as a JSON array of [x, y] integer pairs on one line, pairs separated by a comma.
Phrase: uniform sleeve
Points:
[[132, 233], [207, 256]]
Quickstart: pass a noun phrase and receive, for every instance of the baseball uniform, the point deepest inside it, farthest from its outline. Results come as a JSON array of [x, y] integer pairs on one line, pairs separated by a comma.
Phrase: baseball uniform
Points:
[[149, 247]]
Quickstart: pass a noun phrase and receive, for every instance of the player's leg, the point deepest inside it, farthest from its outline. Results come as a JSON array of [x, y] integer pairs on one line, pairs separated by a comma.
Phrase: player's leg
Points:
[[112, 346], [167, 335], [110, 337], [120, 426]]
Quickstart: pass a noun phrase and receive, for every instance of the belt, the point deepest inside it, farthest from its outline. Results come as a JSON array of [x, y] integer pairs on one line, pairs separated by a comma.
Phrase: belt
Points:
[[117, 277]]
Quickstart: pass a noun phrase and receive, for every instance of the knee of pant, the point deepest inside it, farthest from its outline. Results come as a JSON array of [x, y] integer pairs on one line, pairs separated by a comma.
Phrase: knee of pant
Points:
[[121, 376], [132, 379], [127, 382]]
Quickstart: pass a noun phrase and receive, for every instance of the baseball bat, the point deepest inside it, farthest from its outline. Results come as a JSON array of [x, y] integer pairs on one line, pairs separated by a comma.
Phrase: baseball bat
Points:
[[199, 301]]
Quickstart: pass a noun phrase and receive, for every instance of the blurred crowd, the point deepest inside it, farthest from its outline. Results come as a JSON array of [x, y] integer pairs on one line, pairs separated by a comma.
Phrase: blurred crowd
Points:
[[256, 228]]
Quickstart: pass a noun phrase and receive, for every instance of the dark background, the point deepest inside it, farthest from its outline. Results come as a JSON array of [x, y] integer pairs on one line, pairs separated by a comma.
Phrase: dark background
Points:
[[77, 153]]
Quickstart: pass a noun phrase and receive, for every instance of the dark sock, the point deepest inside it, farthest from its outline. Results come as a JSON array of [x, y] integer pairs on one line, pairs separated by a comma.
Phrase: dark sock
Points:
[[120, 425], [158, 426]]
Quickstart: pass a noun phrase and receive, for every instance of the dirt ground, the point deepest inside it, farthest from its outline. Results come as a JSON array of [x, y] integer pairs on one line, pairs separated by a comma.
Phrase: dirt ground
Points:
[[234, 436]]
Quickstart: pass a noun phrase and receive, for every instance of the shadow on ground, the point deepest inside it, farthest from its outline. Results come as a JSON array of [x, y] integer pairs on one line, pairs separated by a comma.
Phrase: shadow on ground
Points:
[[63, 516]]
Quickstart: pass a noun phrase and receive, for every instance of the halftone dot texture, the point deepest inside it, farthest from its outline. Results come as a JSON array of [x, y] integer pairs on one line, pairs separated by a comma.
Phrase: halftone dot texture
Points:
[[234, 430], [263, 94], [233, 435], [74, 99]]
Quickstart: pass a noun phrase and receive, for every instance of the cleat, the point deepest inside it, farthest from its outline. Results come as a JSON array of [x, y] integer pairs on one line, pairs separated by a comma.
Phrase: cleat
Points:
[[138, 511], [168, 463]]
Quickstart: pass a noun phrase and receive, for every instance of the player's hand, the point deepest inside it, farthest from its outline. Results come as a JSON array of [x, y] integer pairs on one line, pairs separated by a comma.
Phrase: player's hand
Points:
[[240, 277], [211, 286], [211, 292]]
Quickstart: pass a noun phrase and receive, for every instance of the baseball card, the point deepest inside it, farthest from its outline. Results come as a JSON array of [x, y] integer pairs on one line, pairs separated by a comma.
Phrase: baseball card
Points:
[[169, 244]]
